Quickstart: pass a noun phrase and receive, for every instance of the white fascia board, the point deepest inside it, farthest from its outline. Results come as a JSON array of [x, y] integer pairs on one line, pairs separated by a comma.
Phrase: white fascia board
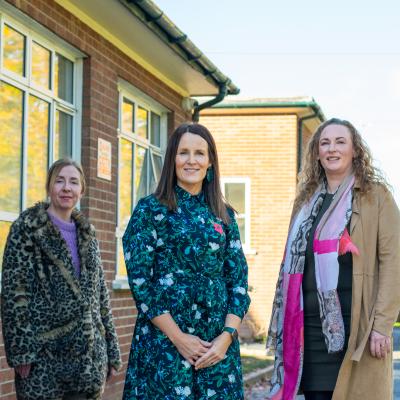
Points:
[[113, 21]]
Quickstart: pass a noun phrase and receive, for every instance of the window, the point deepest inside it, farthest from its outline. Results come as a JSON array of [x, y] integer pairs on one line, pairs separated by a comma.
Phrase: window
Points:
[[142, 142], [237, 193], [39, 116]]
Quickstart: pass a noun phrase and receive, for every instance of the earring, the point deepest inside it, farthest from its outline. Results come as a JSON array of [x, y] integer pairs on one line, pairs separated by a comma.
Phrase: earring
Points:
[[210, 174]]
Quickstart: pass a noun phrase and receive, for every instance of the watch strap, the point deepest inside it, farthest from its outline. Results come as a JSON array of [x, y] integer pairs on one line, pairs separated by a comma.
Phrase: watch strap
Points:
[[232, 331]]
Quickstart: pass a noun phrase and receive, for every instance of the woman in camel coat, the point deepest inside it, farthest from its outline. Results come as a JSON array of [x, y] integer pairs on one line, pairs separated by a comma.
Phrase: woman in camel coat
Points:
[[375, 226], [338, 292]]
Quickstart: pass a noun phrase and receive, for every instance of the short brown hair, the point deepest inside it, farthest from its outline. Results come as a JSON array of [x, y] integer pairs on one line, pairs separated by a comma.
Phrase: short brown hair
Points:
[[57, 166]]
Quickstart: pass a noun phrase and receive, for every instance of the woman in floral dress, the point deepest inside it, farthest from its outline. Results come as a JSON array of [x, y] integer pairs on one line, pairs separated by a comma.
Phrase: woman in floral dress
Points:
[[188, 276]]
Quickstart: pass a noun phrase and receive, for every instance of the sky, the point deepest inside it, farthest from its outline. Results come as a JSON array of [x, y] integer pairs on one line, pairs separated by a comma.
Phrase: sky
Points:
[[344, 54]]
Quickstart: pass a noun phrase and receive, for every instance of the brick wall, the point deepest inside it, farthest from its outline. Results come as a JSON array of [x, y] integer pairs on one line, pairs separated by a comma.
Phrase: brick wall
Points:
[[263, 148], [306, 136], [102, 68]]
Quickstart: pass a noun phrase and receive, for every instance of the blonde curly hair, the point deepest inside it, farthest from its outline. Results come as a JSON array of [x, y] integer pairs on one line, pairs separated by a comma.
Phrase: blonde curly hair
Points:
[[312, 173]]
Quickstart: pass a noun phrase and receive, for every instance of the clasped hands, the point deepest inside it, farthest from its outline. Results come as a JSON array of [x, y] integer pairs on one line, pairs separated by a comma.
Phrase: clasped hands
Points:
[[202, 354]]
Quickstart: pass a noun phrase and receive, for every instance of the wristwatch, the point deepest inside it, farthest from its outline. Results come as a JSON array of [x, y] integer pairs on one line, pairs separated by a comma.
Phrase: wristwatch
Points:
[[232, 331]]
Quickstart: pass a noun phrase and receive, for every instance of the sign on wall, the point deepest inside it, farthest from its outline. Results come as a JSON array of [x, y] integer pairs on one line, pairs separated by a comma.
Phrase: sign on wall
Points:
[[104, 159]]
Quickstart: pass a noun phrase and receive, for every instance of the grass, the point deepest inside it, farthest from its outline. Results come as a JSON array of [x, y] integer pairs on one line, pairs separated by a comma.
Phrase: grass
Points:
[[252, 363]]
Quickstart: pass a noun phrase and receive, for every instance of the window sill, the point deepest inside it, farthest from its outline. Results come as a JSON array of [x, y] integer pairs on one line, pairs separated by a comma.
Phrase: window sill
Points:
[[120, 284], [249, 251]]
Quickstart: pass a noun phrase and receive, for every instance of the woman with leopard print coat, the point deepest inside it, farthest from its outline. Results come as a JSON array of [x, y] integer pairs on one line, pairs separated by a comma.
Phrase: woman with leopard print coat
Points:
[[57, 325]]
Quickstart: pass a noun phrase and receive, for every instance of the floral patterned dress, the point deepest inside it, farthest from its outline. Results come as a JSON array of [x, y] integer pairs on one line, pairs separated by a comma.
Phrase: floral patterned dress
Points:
[[191, 265]]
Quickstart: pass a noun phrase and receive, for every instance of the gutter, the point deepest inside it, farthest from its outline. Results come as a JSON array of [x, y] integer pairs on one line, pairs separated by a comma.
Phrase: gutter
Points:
[[317, 113], [155, 19], [223, 90], [274, 104]]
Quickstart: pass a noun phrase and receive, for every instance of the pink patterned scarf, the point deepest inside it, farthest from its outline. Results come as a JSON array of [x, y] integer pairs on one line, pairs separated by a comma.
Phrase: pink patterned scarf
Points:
[[285, 335]]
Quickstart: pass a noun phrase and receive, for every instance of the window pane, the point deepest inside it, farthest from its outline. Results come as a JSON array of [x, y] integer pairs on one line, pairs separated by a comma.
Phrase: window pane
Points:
[[125, 183], [11, 100], [241, 225], [4, 229], [155, 172], [142, 122], [155, 130], [63, 78], [141, 156], [128, 113], [38, 128], [13, 50], [235, 194], [158, 165], [41, 65], [63, 135], [121, 260]]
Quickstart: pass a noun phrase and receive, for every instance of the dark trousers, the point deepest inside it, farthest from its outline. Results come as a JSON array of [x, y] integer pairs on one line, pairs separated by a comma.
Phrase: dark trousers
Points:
[[318, 395]]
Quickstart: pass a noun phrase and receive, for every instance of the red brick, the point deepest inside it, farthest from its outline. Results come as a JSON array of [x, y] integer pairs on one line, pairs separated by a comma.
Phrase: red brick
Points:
[[101, 68], [264, 149]]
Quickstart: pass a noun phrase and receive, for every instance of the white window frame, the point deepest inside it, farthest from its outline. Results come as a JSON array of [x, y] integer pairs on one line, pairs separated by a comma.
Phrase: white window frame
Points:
[[33, 31], [139, 98], [247, 214]]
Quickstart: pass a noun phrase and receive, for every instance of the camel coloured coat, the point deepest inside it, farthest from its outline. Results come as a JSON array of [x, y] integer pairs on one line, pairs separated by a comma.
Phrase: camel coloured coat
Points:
[[375, 230]]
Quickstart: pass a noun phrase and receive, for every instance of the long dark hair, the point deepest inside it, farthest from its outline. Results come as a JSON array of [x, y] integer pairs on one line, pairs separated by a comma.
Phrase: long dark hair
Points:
[[165, 191]]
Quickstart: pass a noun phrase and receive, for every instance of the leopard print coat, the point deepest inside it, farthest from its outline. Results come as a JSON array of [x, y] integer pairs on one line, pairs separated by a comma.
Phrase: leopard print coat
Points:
[[60, 324]]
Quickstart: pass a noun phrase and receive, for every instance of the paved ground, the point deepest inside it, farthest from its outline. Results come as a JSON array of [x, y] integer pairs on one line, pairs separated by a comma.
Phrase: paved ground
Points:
[[258, 391]]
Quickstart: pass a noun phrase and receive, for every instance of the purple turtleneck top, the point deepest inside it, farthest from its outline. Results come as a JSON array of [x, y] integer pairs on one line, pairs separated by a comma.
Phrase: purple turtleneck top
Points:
[[69, 233]]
